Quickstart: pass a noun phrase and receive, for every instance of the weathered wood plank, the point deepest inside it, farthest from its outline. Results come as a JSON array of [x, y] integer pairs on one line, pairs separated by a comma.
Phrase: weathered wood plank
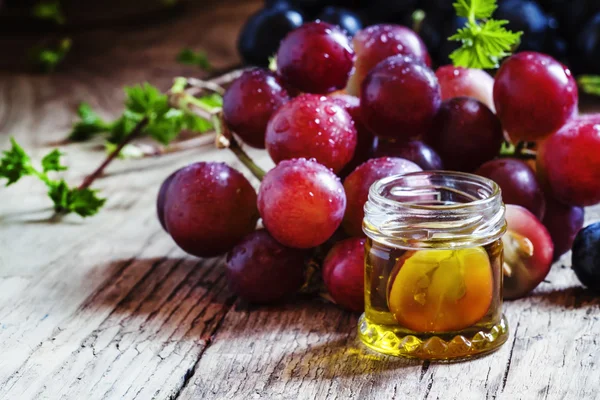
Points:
[[311, 351], [107, 307]]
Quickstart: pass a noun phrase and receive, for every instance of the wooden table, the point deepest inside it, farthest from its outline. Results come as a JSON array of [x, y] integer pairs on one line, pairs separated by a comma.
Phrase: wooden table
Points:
[[110, 308]]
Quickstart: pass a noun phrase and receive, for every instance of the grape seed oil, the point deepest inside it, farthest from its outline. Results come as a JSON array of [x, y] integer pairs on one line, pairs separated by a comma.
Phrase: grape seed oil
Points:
[[433, 266], [433, 304]]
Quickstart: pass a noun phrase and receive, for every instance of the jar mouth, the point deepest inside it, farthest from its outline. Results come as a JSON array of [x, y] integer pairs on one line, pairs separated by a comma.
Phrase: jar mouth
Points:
[[419, 186], [434, 209]]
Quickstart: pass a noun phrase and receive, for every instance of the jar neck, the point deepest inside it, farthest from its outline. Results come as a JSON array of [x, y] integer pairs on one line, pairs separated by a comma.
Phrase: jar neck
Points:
[[434, 209]]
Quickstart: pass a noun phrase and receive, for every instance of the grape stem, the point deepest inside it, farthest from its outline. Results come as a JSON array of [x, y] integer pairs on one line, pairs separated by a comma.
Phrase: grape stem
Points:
[[87, 182], [185, 99], [520, 151]]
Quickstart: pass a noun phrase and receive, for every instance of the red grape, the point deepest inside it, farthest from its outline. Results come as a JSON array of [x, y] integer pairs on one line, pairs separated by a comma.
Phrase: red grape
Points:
[[528, 252], [466, 82], [399, 98], [518, 183], [261, 270], [249, 103], [301, 202], [378, 42], [312, 126], [344, 274], [569, 162], [161, 199], [365, 137], [357, 186], [316, 58], [465, 134], [209, 208], [534, 95], [413, 150], [563, 222]]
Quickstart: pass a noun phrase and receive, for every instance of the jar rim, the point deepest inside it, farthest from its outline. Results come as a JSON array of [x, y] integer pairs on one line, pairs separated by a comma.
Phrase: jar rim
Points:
[[434, 209], [495, 191]]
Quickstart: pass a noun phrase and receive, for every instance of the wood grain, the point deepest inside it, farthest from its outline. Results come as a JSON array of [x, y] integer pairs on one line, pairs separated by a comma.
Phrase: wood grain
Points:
[[110, 308]]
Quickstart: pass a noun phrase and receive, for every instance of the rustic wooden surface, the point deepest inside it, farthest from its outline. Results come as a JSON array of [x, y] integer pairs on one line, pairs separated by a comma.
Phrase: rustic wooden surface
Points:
[[110, 308]]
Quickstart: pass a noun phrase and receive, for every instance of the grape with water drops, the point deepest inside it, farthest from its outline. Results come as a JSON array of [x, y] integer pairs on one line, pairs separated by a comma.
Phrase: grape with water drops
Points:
[[466, 82], [249, 103], [569, 162], [301, 203], [312, 126], [535, 95], [209, 208], [376, 43], [316, 58], [399, 98]]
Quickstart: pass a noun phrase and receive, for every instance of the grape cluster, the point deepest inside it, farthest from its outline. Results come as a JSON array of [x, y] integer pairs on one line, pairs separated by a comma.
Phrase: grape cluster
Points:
[[361, 112], [568, 30]]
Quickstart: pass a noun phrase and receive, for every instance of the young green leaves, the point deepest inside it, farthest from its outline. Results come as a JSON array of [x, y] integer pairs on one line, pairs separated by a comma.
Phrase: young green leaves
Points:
[[16, 163], [199, 59], [590, 84], [142, 101], [484, 41]]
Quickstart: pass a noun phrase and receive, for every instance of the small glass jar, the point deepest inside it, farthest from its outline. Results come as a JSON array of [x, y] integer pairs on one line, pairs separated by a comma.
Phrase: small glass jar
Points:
[[433, 266]]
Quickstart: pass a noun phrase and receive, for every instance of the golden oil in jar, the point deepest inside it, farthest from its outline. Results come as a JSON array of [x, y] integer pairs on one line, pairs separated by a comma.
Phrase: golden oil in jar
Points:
[[433, 286]]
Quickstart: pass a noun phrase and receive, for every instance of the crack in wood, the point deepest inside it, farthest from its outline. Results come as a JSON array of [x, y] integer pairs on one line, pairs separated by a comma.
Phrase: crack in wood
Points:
[[428, 389], [510, 355], [424, 369], [190, 372]]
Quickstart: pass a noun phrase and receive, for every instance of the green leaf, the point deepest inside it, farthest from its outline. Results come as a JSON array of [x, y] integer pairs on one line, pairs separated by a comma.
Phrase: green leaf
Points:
[[483, 46], [590, 84], [15, 163], [48, 58], [84, 202], [123, 127], [146, 99], [189, 57], [51, 162], [213, 100], [475, 9], [194, 123], [89, 125], [49, 10]]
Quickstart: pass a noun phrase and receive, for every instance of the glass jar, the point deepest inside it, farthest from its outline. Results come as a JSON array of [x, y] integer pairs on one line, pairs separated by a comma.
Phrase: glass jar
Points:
[[433, 266]]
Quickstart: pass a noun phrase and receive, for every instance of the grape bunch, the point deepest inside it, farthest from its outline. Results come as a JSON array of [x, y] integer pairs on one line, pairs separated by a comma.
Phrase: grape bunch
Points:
[[568, 30], [336, 116]]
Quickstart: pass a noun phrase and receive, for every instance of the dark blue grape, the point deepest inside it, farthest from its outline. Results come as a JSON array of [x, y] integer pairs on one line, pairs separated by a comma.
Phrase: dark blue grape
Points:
[[438, 9], [278, 4], [378, 11], [259, 38], [573, 14], [528, 17], [587, 47], [346, 19], [555, 45], [309, 7], [586, 256]]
